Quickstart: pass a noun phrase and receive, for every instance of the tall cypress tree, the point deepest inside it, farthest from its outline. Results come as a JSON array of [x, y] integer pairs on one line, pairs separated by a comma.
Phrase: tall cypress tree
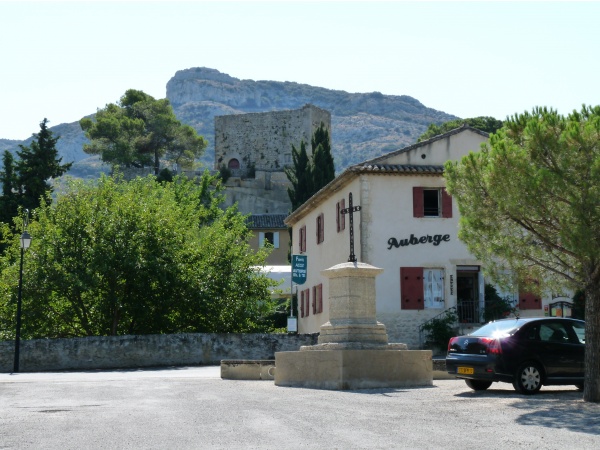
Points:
[[38, 163], [323, 169], [309, 175], [300, 176], [322, 160], [8, 200]]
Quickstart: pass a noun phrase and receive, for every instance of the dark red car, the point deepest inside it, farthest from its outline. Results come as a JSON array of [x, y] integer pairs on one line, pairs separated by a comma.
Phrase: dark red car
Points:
[[528, 353]]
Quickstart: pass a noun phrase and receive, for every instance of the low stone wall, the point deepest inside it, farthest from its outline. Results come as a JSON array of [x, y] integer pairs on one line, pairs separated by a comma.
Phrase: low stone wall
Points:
[[112, 352]]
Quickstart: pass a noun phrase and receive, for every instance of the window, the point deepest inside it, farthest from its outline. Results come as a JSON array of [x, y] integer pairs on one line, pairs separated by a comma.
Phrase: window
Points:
[[433, 285], [233, 164], [302, 239], [305, 303], [272, 237], [421, 288], [431, 202], [340, 218], [317, 302], [320, 228]]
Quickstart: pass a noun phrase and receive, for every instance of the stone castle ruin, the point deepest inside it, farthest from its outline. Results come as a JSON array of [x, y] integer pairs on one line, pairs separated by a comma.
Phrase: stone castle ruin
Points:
[[255, 148]]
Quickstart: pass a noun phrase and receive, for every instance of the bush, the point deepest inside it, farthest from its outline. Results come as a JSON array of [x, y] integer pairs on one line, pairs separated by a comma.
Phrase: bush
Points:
[[496, 307], [440, 329]]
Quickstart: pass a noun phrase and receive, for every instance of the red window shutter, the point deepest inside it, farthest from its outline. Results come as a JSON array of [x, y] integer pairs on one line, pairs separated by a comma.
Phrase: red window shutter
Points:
[[307, 299], [446, 204], [322, 227], [418, 210], [343, 215], [527, 300], [318, 226], [320, 298], [338, 216], [314, 300], [301, 303], [411, 288], [304, 238]]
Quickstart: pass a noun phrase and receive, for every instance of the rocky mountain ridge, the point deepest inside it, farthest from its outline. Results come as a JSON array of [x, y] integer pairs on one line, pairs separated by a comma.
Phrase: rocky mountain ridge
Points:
[[364, 125]]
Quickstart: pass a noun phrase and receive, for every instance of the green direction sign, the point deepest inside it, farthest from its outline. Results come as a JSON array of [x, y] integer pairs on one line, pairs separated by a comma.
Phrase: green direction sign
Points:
[[299, 266]]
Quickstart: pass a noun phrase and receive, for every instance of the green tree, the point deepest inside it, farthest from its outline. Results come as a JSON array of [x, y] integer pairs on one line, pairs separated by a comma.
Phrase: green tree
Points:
[[112, 257], [8, 178], [37, 164], [529, 202], [323, 167], [309, 175], [299, 175], [139, 131], [487, 124]]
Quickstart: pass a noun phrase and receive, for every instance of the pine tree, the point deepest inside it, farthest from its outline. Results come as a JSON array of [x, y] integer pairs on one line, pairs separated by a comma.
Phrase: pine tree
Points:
[[38, 163]]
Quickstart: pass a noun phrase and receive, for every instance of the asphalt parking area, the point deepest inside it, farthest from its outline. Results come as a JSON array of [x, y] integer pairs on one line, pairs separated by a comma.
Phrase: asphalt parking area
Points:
[[192, 407]]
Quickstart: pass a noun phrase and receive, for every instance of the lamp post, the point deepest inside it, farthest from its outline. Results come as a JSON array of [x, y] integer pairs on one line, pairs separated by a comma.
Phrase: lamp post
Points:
[[25, 243]]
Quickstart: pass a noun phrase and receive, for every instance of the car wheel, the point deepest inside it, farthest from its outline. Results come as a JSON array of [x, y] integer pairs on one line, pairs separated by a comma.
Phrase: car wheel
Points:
[[478, 385], [528, 378]]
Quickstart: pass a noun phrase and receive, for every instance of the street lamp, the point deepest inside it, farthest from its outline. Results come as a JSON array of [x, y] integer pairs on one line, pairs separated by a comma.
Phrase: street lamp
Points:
[[25, 243]]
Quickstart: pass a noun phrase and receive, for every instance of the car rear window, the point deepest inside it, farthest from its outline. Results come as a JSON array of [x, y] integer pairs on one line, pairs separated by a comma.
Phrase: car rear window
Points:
[[498, 329], [579, 331]]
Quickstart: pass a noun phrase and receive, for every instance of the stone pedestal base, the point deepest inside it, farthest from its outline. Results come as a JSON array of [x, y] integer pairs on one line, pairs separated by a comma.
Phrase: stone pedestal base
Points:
[[354, 369]]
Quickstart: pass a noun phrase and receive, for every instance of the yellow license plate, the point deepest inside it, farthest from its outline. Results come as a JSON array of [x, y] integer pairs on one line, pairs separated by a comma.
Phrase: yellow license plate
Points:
[[465, 370]]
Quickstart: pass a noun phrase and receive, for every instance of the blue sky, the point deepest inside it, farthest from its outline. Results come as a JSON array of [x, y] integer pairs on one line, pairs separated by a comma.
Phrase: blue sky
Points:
[[63, 60]]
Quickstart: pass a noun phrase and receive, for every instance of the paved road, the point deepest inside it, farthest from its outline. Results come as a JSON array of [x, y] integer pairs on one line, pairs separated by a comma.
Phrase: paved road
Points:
[[192, 408]]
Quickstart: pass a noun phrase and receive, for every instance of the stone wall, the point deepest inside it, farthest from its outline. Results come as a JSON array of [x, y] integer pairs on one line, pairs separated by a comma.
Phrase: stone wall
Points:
[[112, 352], [264, 140]]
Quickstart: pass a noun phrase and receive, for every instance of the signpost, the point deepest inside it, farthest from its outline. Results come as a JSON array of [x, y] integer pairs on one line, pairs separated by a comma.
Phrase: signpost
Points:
[[299, 267]]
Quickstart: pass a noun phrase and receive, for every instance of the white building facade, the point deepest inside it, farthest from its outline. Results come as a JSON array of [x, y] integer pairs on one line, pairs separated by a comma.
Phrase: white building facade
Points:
[[408, 226]]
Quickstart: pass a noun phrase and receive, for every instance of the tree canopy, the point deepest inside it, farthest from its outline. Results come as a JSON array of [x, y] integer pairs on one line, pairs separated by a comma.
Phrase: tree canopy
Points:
[[530, 204], [487, 124], [139, 131], [308, 175], [25, 181], [141, 257]]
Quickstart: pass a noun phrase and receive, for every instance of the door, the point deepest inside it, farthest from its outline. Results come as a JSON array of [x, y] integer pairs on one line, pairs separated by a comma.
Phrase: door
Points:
[[467, 296]]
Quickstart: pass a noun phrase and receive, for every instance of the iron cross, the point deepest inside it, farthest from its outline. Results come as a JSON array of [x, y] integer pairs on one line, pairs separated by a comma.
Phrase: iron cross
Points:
[[351, 210]]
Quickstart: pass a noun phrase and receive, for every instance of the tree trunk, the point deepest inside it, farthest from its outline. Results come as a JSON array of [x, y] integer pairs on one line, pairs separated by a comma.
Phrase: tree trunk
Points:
[[591, 392]]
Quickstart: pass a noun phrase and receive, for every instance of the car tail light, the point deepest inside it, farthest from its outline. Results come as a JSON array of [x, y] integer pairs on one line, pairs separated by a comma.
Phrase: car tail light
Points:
[[450, 342], [492, 346]]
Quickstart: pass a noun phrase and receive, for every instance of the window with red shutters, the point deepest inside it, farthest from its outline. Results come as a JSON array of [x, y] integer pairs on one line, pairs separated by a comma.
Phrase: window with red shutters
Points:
[[320, 228], [431, 202], [527, 300], [411, 288], [302, 239]]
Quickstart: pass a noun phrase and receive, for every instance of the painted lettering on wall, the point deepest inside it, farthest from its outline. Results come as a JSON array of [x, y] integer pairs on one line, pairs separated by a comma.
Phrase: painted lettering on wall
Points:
[[436, 239]]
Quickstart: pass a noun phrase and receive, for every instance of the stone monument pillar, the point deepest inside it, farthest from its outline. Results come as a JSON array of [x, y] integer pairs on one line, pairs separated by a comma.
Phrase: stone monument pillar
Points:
[[353, 350]]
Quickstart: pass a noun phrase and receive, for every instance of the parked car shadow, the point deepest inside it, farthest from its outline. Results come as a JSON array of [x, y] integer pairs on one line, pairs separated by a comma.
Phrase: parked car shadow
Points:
[[556, 408]]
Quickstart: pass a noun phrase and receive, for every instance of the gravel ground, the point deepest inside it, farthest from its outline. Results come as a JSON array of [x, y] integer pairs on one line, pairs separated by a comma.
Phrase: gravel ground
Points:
[[192, 407]]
